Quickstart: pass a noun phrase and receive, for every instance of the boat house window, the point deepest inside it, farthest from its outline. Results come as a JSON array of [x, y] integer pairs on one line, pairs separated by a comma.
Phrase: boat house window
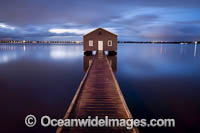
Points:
[[90, 43], [109, 42]]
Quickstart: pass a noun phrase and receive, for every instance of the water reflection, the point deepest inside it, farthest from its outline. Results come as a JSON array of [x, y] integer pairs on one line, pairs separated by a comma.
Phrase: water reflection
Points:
[[5, 58], [195, 49], [88, 61], [161, 49], [7, 54], [16, 52], [60, 52], [161, 81], [39, 80], [113, 62], [157, 81]]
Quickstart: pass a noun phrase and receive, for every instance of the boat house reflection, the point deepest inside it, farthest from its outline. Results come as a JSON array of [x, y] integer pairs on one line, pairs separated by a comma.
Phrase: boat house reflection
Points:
[[88, 61]]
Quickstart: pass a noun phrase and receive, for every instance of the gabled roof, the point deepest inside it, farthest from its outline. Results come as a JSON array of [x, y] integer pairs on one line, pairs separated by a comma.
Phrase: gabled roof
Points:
[[100, 29]]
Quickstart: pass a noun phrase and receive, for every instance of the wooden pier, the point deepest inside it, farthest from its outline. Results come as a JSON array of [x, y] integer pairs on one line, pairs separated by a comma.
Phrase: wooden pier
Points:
[[98, 95]]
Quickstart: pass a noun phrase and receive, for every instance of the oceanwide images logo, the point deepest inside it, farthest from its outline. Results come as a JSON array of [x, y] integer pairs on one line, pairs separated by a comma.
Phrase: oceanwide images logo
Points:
[[129, 124]]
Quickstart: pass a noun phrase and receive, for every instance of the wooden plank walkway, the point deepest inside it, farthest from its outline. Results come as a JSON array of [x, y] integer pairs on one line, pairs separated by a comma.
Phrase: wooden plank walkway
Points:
[[98, 95]]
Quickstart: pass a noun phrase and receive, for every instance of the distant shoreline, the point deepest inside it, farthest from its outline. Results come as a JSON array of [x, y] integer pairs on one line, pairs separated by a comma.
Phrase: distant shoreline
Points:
[[80, 42], [162, 42]]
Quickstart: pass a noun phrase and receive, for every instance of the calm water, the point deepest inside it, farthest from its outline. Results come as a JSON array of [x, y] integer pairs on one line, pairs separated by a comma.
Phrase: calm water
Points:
[[158, 81]]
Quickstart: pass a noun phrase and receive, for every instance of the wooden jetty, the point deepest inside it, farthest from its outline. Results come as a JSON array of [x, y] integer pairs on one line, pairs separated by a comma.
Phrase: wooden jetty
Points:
[[98, 95]]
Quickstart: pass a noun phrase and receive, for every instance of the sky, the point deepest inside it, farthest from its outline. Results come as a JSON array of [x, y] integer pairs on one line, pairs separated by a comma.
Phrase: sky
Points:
[[132, 20]]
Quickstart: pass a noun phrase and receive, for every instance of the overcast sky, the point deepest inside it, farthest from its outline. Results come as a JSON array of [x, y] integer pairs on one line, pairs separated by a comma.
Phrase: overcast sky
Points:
[[136, 20]]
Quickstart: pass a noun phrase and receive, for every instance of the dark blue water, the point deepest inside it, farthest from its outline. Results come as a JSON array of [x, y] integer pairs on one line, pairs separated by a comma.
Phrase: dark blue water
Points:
[[162, 81], [157, 81]]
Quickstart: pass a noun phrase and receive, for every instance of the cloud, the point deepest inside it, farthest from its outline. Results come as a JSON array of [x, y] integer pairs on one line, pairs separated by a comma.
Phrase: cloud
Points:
[[75, 31], [172, 32], [4, 26], [130, 19], [81, 12]]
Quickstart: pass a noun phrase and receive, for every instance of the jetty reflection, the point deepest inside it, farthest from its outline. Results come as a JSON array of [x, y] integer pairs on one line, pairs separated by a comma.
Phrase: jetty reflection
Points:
[[87, 59]]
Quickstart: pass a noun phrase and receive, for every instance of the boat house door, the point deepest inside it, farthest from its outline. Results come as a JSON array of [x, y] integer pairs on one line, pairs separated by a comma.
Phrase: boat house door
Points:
[[100, 45]]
